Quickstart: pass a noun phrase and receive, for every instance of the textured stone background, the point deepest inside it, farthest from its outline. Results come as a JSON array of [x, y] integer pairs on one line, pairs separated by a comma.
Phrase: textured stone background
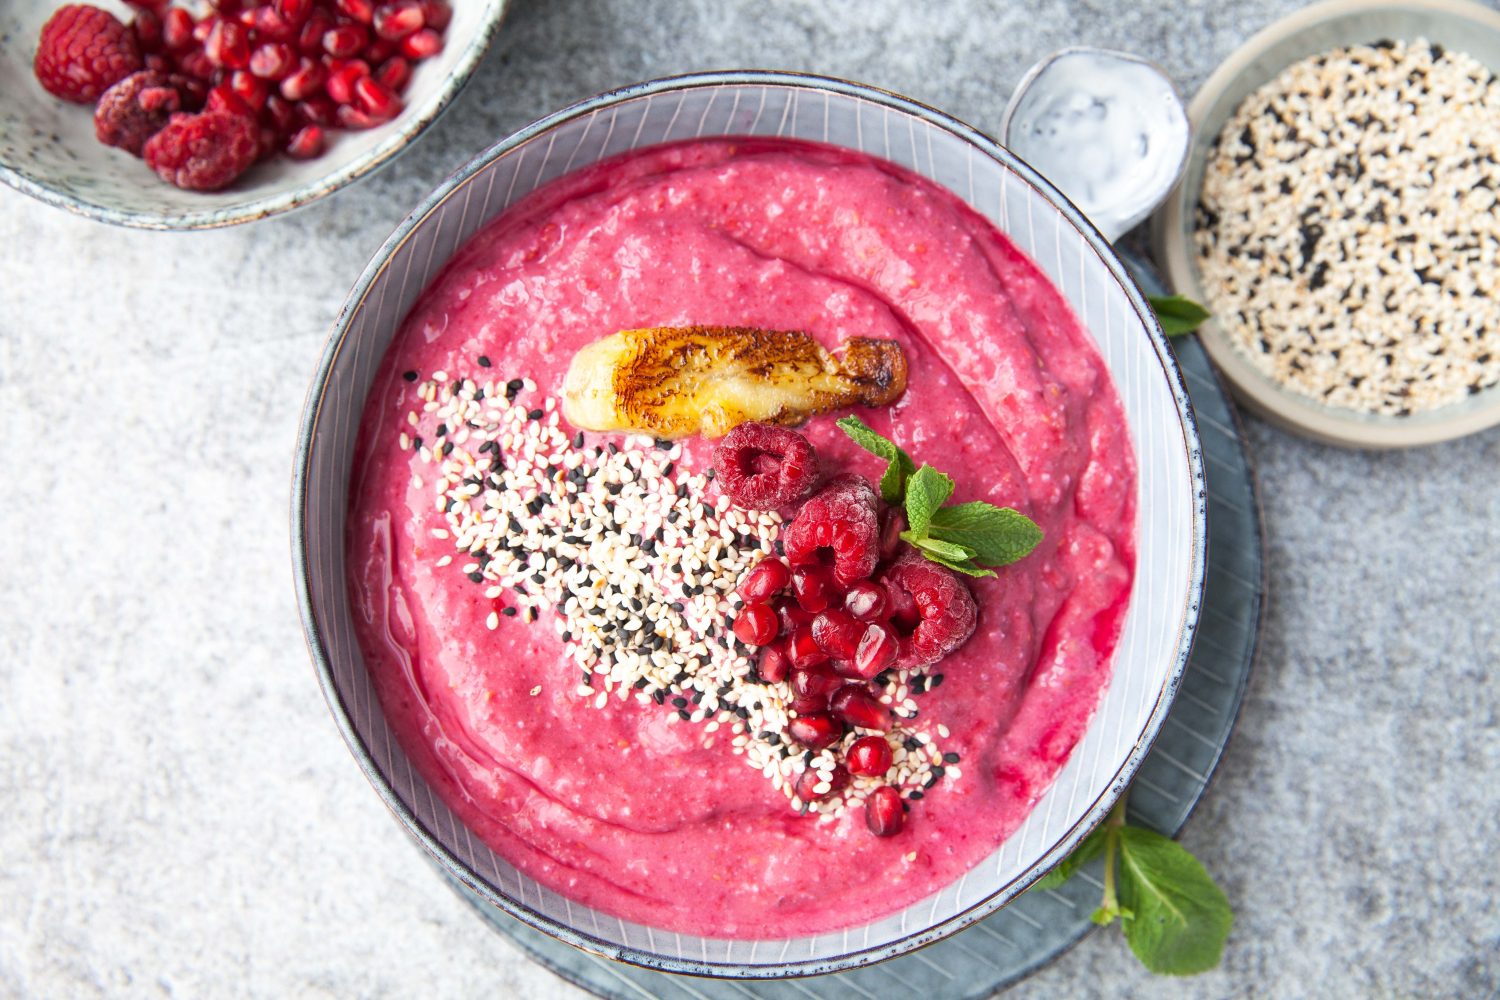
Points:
[[177, 813]]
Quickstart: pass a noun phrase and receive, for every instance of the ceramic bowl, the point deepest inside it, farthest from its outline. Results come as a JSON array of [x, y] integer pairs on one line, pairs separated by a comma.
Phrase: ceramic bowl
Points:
[[48, 149], [1170, 533], [1458, 25]]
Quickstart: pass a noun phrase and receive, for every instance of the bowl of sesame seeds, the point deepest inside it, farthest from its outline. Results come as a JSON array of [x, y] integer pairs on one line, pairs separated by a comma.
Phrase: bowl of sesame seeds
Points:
[[1338, 217], [606, 799]]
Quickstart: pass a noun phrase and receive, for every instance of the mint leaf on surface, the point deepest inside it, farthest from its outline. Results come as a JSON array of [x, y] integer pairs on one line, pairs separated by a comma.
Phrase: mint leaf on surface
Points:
[[926, 491], [899, 465], [1179, 919], [997, 536], [1176, 314], [965, 566], [1087, 850]]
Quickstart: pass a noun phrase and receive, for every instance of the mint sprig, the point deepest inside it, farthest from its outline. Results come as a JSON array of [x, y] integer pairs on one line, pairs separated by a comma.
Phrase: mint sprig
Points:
[[966, 537], [1175, 918], [899, 466], [1177, 314]]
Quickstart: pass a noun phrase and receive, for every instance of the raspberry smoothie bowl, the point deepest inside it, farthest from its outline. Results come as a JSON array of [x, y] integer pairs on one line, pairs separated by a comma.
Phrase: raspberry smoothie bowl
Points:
[[749, 515]]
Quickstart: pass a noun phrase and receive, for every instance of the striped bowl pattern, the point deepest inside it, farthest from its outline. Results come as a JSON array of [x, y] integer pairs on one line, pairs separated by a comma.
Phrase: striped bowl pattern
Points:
[[1171, 526]]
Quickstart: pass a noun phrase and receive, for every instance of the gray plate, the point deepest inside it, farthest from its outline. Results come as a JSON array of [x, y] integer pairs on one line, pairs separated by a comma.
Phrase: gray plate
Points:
[[1022, 937]]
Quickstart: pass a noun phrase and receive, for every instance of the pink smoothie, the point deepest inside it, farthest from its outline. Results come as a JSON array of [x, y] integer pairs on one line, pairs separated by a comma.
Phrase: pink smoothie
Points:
[[622, 808]]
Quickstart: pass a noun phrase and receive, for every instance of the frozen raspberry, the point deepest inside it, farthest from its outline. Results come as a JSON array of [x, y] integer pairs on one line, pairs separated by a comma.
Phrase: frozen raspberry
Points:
[[761, 467], [945, 611], [842, 518], [204, 152], [140, 106], [83, 52]]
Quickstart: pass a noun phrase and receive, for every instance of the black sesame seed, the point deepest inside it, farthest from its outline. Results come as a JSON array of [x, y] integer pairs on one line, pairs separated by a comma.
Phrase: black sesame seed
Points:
[[508, 612], [477, 576], [683, 714], [950, 758], [680, 702], [409, 376]]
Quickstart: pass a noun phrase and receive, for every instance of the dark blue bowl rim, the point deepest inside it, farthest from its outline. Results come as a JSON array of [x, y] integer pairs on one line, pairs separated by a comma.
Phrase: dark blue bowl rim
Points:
[[624, 953]]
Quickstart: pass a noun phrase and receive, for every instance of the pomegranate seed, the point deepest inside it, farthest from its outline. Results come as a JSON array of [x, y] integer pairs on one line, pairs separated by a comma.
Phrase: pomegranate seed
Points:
[[147, 27], [756, 624], [177, 29], [305, 143], [279, 114], [340, 82], [380, 50], [865, 600], [422, 44], [228, 45], [859, 708], [792, 617], [890, 532], [773, 665], [811, 688], [250, 89], [294, 11], [376, 100], [350, 117], [397, 19], [204, 28], [225, 6], [395, 73], [769, 577], [158, 63], [803, 650], [273, 60], [304, 81], [223, 98], [267, 142], [877, 650], [885, 814], [837, 634], [816, 731], [362, 11], [346, 40], [814, 588], [808, 781], [869, 756], [246, 17], [318, 109], [272, 27], [436, 14], [310, 38]]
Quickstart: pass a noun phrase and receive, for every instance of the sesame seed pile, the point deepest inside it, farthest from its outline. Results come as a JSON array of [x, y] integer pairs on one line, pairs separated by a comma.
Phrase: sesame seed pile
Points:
[[1347, 233], [637, 564]]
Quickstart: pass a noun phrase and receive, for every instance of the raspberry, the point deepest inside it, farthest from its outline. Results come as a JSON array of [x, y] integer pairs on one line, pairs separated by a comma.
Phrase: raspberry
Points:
[[761, 467], [842, 517], [140, 106], [204, 152], [944, 607], [83, 52]]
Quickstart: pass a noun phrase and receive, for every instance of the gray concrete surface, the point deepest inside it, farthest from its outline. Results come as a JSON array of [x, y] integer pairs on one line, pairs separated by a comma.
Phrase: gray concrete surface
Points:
[[177, 813]]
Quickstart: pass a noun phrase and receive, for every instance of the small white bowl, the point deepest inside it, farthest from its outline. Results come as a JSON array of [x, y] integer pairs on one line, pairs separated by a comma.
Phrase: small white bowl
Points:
[[1457, 25], [48, 149]]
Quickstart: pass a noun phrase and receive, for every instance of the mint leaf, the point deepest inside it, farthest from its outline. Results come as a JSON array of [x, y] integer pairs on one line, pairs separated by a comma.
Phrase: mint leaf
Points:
[[964, 566], [996, 536], [1087, 850], [926, 491], [899, 467], [1179, 919], [948, 550], [1177, 315]]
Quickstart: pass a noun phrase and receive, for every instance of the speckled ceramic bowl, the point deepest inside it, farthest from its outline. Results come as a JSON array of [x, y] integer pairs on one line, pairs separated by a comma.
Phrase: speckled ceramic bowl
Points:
[[1171, 526], [1457, 24], [48, 149]]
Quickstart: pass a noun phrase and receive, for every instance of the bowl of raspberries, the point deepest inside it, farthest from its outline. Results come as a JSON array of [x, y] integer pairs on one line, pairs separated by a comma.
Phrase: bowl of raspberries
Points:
[[191, 114]]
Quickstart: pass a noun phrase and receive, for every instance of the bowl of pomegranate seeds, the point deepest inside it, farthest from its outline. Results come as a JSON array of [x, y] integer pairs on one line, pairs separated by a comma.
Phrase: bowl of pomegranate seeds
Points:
[[748, 525], [183, 114]]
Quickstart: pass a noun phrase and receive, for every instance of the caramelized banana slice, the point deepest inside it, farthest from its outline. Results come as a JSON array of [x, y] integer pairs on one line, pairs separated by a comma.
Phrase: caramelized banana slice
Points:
[[672, 382]]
